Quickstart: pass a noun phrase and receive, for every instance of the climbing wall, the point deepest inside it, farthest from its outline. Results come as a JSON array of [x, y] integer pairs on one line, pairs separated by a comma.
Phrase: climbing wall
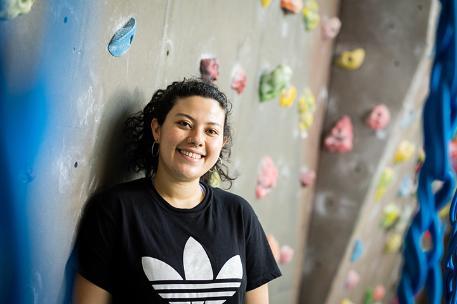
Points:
[[66, 92], [365, 191]]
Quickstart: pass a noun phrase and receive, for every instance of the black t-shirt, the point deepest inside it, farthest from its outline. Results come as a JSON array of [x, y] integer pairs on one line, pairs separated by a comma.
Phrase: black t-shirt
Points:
[[135, 245]]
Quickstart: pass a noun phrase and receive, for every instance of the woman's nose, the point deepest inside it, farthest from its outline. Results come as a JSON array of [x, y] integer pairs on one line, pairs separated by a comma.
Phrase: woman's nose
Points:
[[195, 138]]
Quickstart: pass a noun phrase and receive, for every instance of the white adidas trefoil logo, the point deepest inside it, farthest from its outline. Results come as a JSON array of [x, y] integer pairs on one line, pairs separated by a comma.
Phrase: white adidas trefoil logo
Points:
[[199, 286]]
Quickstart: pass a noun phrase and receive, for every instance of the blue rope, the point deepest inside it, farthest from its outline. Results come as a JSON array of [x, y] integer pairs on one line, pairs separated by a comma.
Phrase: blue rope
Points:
[[422, 269]]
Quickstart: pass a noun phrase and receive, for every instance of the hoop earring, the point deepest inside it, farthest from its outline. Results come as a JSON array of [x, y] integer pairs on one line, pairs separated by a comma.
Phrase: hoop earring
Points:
[[152, 149], [219, 159]]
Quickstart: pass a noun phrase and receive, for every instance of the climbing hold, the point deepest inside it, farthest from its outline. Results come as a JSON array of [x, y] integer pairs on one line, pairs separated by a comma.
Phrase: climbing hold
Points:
[[357, 251], [330, 27], [391, 214], [239, 80], [214, 179], [291, 6], [286, 254], [393, 243], [122, 39], [288, 96], [404, 152], [427, 241], [352, 279], [306, 109], [368, 298], [346, 301], [340, 137], [209, 69], [378, 118], [265, 3], [272, 84], [384, 182], [307, 177], [267, 177], [406, 187], [274, 246], [310, 14], [351, 60], [405, 218], [444, 213], [379, 293], [453, 153], [10, 9]]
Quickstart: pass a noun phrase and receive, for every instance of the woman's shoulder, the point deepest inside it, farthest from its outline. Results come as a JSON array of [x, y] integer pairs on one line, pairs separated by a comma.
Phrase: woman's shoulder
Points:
[[114, 195], [130, 187], [232, 200]]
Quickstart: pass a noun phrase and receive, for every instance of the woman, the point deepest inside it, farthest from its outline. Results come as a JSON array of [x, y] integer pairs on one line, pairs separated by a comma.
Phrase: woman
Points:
[[170, 237]]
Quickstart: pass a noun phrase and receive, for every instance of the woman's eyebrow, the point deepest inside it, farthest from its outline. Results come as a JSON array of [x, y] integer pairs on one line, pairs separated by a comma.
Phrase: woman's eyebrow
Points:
[[193, 119]]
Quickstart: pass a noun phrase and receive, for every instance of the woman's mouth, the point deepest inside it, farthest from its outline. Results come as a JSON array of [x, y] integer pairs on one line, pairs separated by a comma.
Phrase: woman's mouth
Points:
[[190, 154]]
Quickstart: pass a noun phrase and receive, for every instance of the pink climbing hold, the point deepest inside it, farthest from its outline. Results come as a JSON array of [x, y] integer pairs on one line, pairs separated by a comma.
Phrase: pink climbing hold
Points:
[[267, 178], [239, 80], [330, 27], [453, 153], [286, 254], [341, 136], [379, 293], [307, 177], [352, 279], [379, 117], [209, 69], [291, 6]]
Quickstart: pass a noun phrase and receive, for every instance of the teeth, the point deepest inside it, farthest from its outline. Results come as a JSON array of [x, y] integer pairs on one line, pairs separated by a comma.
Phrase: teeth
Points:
[[190, 154]]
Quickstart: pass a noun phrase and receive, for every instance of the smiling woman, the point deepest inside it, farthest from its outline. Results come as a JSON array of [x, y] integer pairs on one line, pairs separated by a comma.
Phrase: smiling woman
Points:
[[170, 237]]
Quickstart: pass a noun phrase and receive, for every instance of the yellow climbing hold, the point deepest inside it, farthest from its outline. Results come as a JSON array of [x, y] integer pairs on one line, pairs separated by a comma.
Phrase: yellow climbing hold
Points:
[[351, 60], [265, 3], [214, 179], [12, 8], [404, 152], [391, 214], [384, 182], [288, 96], [393, 243], [346, 301], [444, 213], [306, 109], [311, 14]]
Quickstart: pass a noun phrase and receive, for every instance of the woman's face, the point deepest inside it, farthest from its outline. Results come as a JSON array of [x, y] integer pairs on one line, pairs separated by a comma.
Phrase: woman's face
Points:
[[191, 138]]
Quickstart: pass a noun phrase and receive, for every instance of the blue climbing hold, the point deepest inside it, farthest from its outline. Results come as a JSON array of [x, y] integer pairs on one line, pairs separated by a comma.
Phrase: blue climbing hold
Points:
[[122, 39], [357, 251]]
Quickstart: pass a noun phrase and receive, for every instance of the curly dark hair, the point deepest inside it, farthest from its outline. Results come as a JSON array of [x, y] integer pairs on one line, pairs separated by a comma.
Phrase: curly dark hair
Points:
[[138, 132]]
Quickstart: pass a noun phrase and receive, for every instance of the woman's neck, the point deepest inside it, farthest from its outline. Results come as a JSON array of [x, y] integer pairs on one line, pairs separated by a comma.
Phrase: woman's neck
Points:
[[183, 195]]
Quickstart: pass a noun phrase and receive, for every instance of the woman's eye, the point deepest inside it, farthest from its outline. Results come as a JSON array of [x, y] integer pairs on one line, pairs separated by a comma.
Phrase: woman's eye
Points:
[[183, 123], [212, 132]]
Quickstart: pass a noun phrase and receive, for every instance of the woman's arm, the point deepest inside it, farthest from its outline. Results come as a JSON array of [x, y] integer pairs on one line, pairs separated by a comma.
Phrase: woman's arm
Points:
[[258, 295], [86, 292]]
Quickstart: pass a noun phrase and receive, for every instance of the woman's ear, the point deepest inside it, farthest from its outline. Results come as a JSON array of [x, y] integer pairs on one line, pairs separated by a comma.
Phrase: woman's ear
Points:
[[155, 128]]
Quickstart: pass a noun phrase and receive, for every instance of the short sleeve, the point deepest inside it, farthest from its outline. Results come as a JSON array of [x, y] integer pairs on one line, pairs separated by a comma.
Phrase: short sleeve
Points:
[[261, 266], [96, 241]]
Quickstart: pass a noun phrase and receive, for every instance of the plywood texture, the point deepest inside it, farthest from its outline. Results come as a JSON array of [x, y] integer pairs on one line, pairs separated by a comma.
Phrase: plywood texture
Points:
[[396, 37], [91, 93]]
